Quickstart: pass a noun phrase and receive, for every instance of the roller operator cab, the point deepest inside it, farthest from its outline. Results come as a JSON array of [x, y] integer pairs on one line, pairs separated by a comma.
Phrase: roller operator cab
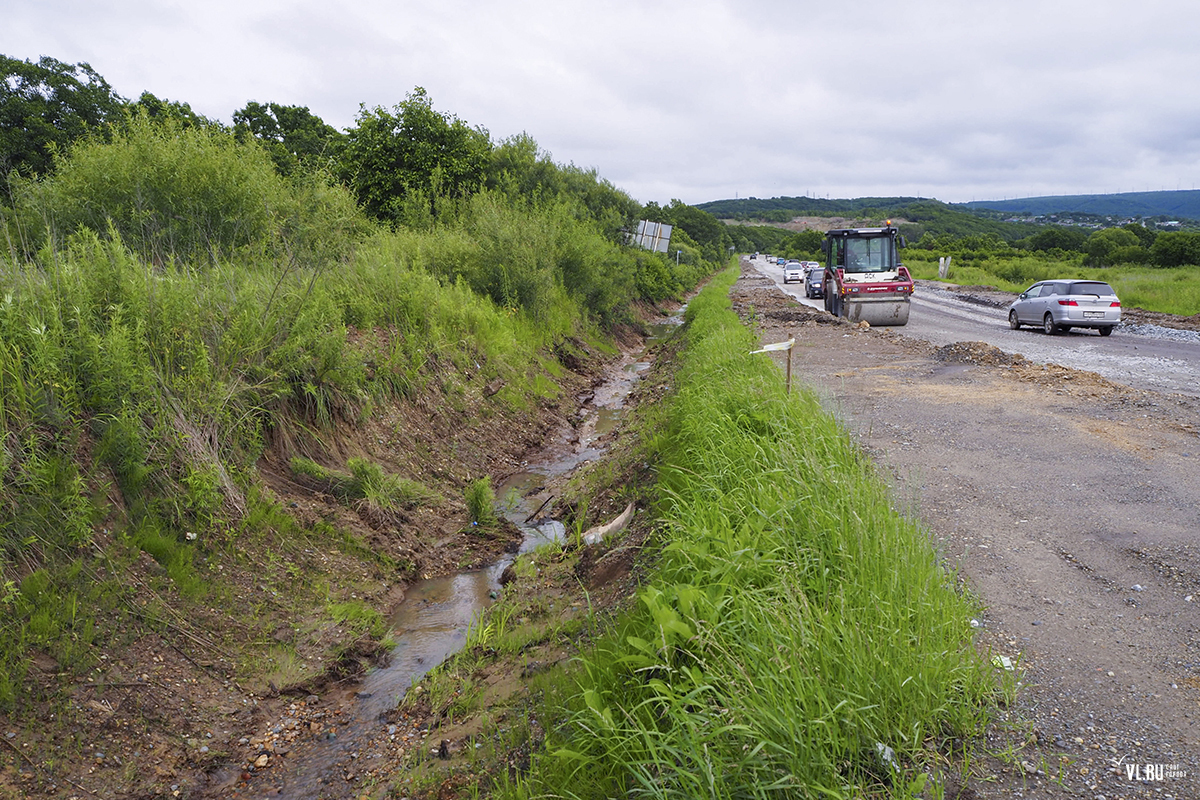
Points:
[[864, 279]]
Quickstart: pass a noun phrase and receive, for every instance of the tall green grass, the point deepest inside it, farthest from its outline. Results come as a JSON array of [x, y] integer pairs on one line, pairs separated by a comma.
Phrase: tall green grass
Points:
[[798, 630], [481, 501]]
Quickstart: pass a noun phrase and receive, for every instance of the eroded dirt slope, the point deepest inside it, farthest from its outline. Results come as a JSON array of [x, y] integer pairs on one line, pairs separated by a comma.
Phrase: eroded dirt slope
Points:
[[181, 691]]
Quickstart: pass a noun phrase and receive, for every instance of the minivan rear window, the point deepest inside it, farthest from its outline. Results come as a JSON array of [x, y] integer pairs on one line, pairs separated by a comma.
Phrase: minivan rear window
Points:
[[1090, 287]]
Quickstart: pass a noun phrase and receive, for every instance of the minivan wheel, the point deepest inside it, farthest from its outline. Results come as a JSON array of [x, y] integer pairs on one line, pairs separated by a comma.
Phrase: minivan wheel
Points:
[[1106, 330], [1013, 322], [1048, 325]]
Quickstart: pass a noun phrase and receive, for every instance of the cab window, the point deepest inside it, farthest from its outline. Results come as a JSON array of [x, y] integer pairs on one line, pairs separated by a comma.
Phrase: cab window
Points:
[[870, 255]]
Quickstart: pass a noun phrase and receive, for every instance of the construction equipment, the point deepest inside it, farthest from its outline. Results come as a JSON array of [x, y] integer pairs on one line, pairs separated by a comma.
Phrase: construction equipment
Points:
[[864, 279]]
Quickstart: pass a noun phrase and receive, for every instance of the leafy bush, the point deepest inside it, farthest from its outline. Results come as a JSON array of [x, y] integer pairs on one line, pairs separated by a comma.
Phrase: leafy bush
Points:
[[189, 194], [1055, 237], [1104, 246], [524, 174]]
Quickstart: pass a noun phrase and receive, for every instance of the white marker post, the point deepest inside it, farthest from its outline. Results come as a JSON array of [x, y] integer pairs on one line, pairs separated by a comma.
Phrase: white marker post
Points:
[[781, 346]]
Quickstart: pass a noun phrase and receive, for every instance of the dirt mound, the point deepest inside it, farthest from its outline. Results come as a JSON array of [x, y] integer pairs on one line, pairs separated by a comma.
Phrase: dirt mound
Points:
[[985, 296], [803, 314], [1143, 317], [977, 353]]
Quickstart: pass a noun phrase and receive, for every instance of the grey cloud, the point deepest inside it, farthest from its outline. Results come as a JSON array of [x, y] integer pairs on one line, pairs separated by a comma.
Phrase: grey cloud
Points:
[[705, 99]]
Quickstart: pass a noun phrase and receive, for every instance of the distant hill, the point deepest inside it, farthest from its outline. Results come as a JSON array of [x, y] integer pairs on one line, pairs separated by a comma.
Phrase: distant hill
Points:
[[782, 209], [1177, 205], [915, 216]]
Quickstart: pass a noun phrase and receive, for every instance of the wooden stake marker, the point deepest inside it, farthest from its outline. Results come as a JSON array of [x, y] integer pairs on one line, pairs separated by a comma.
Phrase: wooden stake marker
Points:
[[788, 345]]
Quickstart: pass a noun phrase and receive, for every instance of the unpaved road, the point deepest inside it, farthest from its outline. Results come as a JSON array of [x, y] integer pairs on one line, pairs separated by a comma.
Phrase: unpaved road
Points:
[[1070, 503]]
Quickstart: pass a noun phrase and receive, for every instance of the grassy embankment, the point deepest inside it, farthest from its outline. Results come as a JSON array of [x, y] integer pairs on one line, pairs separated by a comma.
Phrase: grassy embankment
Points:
[[172, 312], [797, 637], [1170, 291]]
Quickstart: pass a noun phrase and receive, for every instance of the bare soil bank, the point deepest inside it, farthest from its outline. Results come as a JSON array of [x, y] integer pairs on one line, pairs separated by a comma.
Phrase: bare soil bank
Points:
[[1070, 505]]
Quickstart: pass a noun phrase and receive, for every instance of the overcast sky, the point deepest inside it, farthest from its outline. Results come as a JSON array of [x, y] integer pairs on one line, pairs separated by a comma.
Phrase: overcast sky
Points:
[[701, 99]]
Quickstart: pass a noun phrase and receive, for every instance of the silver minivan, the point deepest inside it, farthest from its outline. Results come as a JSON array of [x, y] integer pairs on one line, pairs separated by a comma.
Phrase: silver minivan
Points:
[[1058, 306]]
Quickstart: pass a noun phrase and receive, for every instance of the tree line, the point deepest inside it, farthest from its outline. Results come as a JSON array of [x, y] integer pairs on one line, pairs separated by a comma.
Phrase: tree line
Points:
[[409, 164], [933, 225], [1129, 244]]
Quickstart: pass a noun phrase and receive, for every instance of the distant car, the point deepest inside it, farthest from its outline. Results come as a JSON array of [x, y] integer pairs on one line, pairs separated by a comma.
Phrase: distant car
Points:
[[793, 271], [1057, 306], [781, 261], [814, 283]]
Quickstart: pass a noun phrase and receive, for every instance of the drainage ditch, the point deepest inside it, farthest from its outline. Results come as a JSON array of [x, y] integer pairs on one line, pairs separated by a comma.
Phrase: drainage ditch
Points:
[[434, 620]]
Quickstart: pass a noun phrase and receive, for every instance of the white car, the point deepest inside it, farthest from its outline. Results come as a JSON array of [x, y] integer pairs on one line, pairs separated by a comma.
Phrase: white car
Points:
[[793, 271], [1057, 306]]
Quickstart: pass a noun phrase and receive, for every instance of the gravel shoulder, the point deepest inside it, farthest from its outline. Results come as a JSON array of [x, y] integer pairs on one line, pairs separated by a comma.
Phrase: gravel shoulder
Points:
[[1068, 503]]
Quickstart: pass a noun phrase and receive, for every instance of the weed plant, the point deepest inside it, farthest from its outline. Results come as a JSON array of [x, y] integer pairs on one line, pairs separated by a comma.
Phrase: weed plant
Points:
[[367, 480], [796, 626], [481, 501]]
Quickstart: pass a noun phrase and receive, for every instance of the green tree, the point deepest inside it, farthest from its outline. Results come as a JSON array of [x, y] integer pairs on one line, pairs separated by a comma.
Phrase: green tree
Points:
[[1145, 236], [293, 135], [161, 110], [520, 170], [412, 155], [1130, 254], [1056, 237], [808, 241], [1102, 245], [45, 107], [702, 228], [1176, 249]]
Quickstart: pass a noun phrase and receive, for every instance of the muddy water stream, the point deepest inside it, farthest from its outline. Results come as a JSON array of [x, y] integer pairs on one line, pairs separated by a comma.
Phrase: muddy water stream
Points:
[[434, 620]]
